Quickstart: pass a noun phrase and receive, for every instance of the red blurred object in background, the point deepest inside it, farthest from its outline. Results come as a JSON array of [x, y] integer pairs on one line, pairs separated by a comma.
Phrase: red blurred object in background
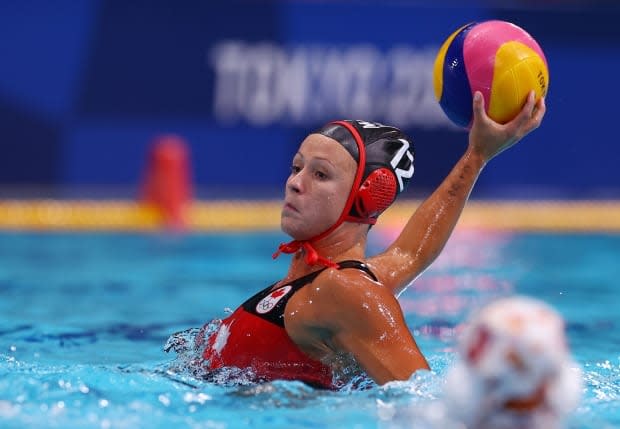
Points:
[[167, 182]]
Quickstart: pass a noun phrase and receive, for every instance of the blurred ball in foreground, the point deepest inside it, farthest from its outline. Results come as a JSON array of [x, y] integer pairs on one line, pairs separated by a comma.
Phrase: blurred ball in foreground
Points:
[[497, 58]]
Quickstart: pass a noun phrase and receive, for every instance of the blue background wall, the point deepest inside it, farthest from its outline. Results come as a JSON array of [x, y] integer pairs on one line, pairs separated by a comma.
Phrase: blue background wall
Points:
[[86, 85]]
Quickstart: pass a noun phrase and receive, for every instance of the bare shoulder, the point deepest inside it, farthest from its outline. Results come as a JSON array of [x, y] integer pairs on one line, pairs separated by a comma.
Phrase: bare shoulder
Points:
[[334, 301], [347, 311], [350, 296]]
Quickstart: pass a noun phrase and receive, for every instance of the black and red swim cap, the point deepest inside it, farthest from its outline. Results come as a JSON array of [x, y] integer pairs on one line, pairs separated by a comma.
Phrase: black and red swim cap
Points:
[[384, 157]]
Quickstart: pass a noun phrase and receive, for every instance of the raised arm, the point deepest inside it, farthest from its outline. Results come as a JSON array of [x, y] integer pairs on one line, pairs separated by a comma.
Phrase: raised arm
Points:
[[429, 228]]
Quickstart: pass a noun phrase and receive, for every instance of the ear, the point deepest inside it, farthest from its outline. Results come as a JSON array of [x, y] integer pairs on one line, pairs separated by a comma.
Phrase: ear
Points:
[[376, 193]]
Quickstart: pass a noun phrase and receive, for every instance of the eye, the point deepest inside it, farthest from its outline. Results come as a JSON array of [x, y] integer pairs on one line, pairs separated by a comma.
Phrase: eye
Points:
[[295, 169], [320, 175]]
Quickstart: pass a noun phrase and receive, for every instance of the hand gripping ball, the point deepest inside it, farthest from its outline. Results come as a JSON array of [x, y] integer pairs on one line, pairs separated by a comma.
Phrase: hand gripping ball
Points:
[[497, 58]]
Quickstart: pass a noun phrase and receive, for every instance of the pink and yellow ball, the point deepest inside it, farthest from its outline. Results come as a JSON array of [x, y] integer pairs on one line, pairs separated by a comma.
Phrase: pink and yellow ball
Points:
[[497, 58]]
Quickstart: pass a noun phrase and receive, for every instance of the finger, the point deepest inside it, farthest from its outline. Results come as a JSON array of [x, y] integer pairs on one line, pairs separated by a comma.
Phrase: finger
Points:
[[537, 115], [541, 108], [527, 111], [530, 103], [478, 106]]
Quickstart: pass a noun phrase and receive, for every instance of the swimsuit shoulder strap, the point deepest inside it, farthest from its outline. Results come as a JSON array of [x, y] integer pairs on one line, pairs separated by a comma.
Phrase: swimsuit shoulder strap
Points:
[[269, 304], [357, 265]]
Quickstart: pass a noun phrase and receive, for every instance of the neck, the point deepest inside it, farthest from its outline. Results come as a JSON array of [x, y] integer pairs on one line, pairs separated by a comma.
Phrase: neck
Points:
[[348, 241]]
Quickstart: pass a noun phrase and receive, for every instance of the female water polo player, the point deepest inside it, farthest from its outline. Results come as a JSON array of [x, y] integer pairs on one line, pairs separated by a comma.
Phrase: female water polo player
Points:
[[336, 308]]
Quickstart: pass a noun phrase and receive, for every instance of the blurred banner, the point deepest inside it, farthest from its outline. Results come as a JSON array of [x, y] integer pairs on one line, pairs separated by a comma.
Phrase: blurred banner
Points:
[[85, 86]]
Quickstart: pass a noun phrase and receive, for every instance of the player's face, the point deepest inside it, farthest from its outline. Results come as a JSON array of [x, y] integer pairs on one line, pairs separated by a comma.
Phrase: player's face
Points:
[[322, 175]]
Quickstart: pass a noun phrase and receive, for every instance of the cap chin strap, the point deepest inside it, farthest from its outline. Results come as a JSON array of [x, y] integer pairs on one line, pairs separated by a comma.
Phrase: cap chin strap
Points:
[[311, 256]]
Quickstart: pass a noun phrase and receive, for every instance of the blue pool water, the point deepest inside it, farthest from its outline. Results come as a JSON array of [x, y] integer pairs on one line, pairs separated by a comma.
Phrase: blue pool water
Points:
[[85, 318]]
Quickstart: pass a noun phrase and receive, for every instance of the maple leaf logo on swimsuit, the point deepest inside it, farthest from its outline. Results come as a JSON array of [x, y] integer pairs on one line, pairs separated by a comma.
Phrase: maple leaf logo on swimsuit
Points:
[[277, 293], [267, 304]]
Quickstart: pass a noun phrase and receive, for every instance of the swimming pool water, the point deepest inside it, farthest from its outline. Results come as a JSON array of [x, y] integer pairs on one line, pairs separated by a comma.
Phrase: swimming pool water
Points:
[[85, 318]]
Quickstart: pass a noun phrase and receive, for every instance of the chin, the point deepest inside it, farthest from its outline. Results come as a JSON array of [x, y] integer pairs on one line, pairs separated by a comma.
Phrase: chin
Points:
[[295, 228], [286, 225]]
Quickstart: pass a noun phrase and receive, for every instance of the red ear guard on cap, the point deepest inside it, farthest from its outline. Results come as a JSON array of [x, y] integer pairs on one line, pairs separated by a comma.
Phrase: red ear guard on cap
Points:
[[376, 194]]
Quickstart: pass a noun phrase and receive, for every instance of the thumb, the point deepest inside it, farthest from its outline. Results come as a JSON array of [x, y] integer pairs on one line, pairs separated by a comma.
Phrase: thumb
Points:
[[479, 114], [479, 104]]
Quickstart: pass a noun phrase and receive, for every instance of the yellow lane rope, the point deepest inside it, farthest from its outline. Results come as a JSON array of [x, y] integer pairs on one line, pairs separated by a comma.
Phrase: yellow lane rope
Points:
[[223, 215]]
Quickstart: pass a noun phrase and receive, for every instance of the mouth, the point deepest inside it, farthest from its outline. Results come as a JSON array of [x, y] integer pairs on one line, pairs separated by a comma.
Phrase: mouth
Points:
[[290, 207]]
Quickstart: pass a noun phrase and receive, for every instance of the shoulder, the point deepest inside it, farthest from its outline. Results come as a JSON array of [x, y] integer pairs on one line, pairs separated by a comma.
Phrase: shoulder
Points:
[[347, 282], [341, 306], [351, 296]]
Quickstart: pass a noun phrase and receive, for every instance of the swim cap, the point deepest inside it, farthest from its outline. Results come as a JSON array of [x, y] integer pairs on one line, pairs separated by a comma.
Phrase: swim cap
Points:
[[384, 157]]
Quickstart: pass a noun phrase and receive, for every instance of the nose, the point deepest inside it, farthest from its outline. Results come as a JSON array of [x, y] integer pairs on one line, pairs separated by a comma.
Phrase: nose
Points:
[[295, 182]]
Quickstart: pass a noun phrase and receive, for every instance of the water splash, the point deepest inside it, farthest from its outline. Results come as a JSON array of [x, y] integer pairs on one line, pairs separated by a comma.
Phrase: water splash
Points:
[[189, 345]]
